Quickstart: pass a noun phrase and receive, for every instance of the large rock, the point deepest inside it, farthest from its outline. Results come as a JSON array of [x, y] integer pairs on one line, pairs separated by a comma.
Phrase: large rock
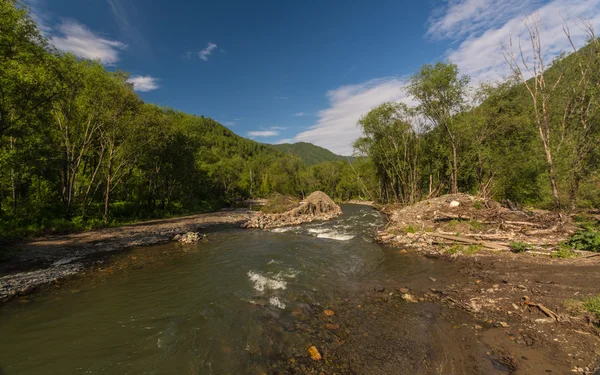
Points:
[[316, 207]]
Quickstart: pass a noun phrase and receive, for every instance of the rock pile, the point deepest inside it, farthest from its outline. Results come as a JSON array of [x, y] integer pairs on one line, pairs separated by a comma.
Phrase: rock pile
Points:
[[316, 207], [190, 237]]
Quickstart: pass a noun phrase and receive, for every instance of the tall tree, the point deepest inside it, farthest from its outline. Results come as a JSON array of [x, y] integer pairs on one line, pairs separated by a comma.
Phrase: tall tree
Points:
[[441, 92]]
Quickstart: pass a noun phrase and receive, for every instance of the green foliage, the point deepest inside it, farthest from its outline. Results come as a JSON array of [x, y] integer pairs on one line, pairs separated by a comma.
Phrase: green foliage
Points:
[[564, 251], [592, 304], [464, 250], [587, 238], [409, 229], [309, 153], [279, 203], [519, 247]]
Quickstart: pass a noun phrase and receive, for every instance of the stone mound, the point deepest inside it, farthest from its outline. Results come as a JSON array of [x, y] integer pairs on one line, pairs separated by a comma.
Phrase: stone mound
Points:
[[316, 207]]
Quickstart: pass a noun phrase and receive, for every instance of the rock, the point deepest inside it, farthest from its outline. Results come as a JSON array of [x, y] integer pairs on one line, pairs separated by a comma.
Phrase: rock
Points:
[[404, 290], [432, 279], [177, 237], [403, 251], [409, 298], [329, 312], [314, 353], [332, 327], [503, 324], [454, 204], [191, 237]]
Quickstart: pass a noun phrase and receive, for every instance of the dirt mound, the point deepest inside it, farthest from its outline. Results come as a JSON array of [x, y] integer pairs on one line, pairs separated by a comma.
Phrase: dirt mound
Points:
[[316, 207], [464, 219]]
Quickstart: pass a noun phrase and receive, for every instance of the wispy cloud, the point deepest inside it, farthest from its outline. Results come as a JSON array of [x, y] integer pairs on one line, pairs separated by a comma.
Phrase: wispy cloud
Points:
[[336, 128], [480, 55], [263, 133], [460, 18], [127, 17], [78, 39], [298, 114], [277, 128], [281, 98], [206, 52], [144, 83], [229, 123]]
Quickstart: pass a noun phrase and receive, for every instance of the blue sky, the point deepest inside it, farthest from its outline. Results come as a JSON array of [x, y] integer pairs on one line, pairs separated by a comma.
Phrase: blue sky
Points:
[[279, 71]]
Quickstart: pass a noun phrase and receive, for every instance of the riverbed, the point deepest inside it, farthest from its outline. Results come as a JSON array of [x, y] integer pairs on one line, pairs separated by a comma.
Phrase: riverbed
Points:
[[251, 302]]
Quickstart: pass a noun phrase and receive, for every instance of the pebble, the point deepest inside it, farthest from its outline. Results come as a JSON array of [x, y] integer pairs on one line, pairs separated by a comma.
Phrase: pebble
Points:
[[314, 353]]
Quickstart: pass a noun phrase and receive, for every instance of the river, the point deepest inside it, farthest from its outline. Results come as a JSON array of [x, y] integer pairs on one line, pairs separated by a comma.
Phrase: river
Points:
[[210, 311]]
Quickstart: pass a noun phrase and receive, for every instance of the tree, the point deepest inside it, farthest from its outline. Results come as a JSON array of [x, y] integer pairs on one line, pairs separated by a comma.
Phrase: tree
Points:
[[441, 92], [392, 142]]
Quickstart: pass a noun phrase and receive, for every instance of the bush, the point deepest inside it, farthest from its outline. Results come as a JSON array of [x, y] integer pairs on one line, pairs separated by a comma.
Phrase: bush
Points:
[[587, 238], [519, 247]]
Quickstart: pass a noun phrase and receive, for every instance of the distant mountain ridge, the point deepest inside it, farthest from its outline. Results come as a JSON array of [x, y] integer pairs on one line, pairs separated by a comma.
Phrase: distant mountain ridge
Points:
[[310, 154]]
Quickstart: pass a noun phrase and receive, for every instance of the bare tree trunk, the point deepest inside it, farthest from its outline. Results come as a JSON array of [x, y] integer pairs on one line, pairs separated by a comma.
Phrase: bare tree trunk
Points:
[[107, 192]]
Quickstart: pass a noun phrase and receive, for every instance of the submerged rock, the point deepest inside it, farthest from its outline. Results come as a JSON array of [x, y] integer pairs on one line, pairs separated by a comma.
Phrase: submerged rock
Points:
[[190, 237], [316, 207]]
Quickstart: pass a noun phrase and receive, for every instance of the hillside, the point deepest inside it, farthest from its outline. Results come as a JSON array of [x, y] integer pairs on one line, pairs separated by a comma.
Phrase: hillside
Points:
[[309, 153]]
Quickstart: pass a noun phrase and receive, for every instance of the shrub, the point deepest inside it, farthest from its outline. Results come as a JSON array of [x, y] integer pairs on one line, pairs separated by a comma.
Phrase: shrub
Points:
[[587, 238], [519, 247]]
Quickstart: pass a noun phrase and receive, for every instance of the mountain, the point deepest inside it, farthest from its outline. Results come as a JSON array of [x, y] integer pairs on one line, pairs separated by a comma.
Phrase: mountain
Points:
[[309, 153]]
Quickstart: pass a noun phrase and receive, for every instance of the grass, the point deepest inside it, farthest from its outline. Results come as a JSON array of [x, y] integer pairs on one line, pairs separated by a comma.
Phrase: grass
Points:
[[476, 224], [564, 252], [519, 247], [279, 203], [464, 250], [409, 229], [477, 205], [592, 305]]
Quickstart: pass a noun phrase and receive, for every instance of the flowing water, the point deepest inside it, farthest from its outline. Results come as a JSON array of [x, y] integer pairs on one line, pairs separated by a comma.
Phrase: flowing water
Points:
[[206, 312]]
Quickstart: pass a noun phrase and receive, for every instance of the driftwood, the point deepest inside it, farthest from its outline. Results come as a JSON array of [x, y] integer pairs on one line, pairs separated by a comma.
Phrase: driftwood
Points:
[[489, 245], [541, 307]]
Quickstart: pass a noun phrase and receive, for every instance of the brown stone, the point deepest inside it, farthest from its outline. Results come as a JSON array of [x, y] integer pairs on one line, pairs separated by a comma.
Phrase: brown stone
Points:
[[314, 353], [332, 327], [329, 312]]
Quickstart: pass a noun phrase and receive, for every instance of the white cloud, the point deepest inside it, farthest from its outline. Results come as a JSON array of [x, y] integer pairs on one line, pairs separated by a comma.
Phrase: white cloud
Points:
[[229, 123], [78, 39], [277, 128], [336, 128], [263, 133], [205, 53], [466, 17], [481, 55], [298, 114], [144, 83]]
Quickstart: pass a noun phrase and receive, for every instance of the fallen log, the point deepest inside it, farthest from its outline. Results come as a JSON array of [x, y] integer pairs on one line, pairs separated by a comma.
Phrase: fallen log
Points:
[[489, 245]]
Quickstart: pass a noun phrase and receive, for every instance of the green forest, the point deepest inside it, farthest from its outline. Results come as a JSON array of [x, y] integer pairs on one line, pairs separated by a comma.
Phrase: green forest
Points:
[[81, 150]]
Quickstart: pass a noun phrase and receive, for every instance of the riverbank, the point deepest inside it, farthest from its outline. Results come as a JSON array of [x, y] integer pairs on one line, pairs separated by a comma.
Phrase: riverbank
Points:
[[49, 259], [502, 314]]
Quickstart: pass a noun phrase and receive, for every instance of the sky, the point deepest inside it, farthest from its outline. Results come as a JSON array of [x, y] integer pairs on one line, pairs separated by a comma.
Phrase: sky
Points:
[[282, 71]]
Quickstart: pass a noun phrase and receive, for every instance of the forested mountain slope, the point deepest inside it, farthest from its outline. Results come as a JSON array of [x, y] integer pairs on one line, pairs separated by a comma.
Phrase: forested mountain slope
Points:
[[309, 153]]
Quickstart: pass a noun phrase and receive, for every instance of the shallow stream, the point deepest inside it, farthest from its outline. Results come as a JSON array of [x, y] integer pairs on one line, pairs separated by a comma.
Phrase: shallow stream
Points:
[[206, 312]]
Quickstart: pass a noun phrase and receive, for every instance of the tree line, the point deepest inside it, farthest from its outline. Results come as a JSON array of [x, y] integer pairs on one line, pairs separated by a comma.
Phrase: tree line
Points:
[[532, 138], [79, 149]]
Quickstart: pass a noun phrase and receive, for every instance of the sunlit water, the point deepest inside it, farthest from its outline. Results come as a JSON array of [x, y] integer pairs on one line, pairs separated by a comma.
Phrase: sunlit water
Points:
[[205, 312]]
